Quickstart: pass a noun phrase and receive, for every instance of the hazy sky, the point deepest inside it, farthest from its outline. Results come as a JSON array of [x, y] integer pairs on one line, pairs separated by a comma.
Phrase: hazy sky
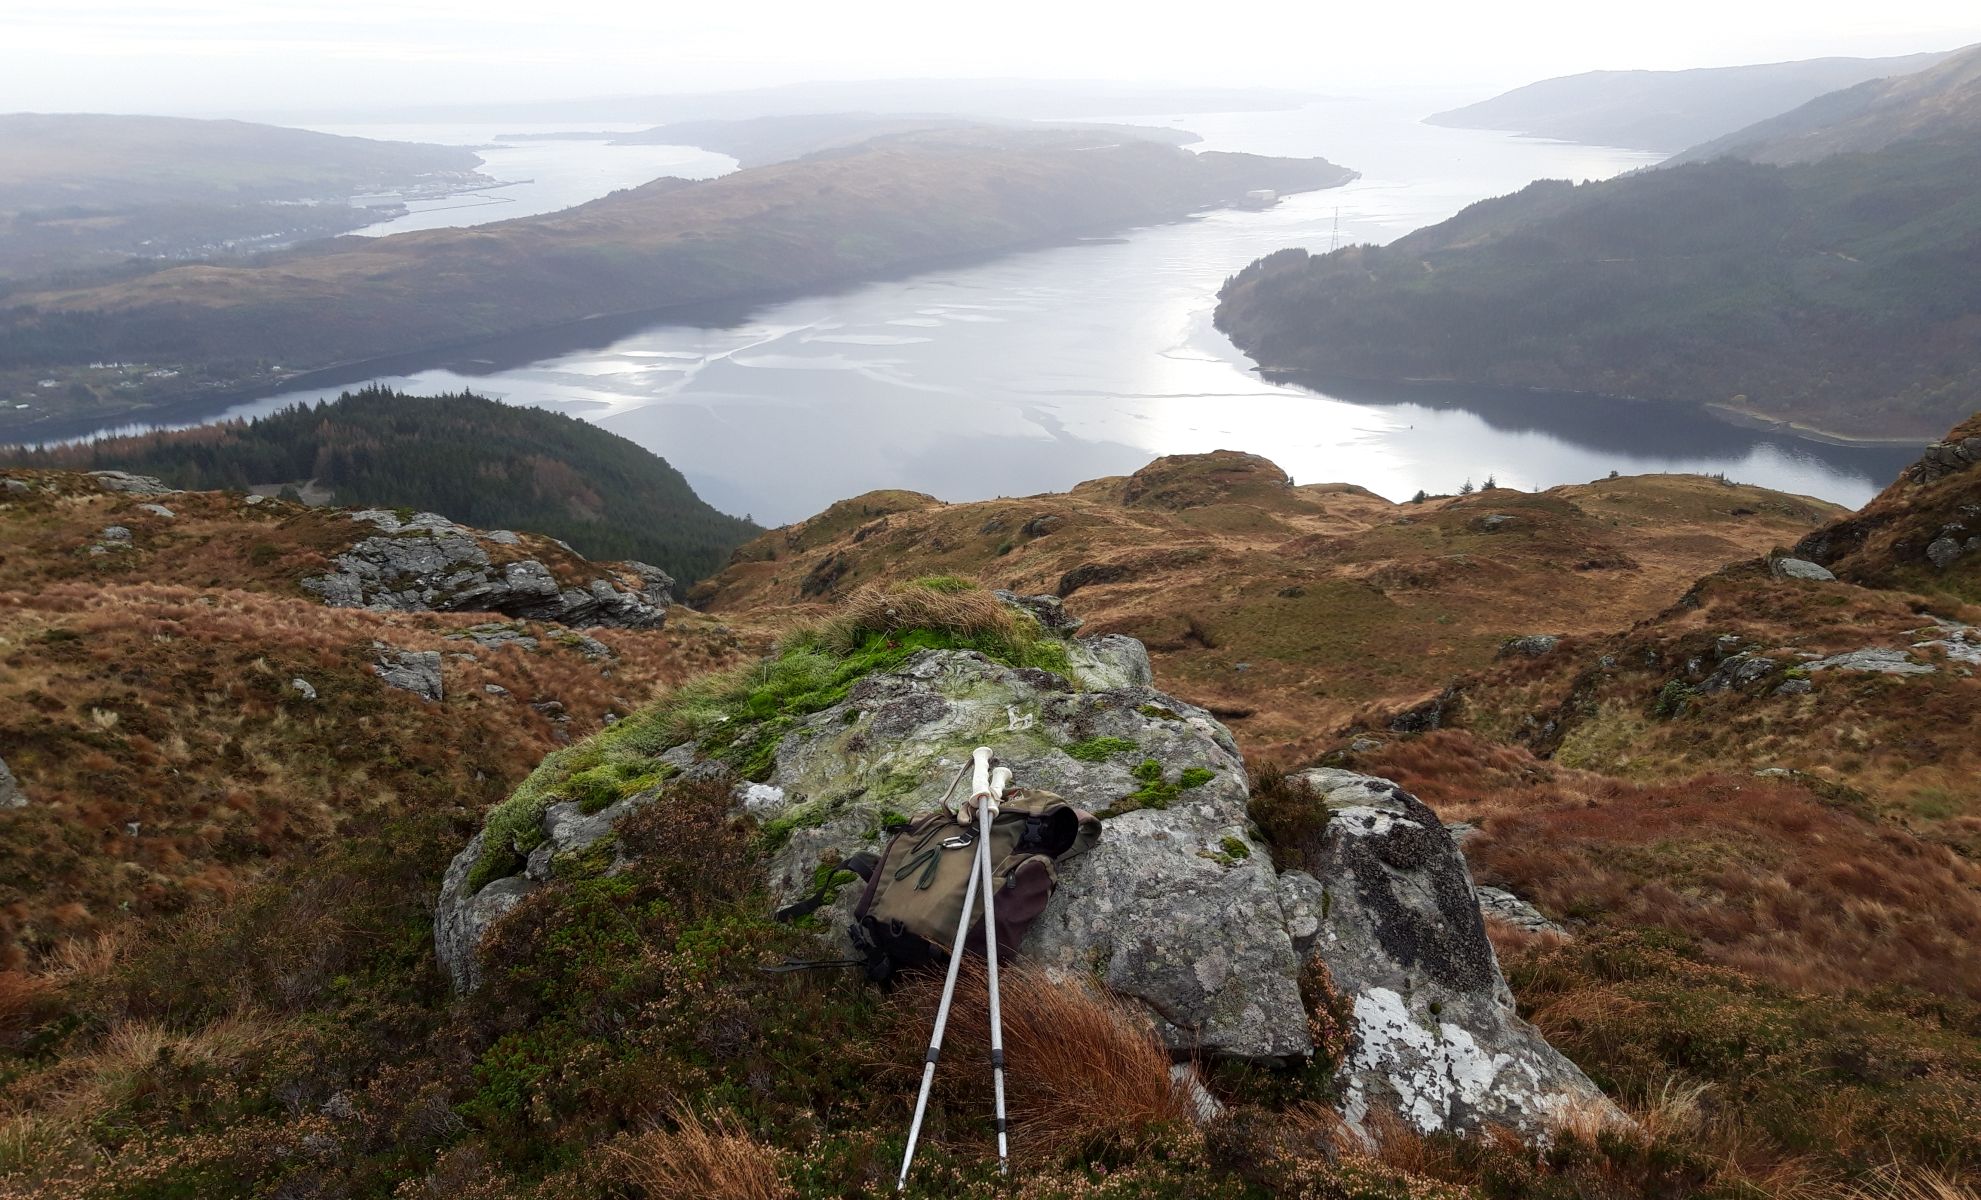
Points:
[[261, 56]]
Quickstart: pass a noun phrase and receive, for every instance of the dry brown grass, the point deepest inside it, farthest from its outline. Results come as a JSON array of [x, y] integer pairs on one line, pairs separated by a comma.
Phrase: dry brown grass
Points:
[[1772, 878], [1913, 1183], [712, 1158], [889, 608], [1335, 597], [1086, 1074]]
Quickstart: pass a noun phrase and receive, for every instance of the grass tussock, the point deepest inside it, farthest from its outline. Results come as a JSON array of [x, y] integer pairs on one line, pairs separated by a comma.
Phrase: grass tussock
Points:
[[712, 1158], [1086, 1075]]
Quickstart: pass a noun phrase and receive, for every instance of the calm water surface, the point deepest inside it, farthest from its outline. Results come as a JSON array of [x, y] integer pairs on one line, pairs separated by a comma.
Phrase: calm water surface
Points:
[[536, 177], [1041, 369]]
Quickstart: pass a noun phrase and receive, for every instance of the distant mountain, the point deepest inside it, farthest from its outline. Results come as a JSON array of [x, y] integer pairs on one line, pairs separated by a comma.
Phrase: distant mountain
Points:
[[1943, 100], [475, 460], [896, 205], [1839, 295], [88, 192], [1669, 110], [756, 141], [1021, 99], [67, 159]]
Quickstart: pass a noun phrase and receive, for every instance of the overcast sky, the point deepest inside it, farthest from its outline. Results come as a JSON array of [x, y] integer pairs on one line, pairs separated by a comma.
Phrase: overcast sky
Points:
[[205, 57]]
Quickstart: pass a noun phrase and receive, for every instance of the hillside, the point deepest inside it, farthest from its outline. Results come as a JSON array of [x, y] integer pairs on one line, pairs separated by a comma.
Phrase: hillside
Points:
[[1942, 101], [85, 192], [1669, 110], [151, 714], [889, 206], [483, 462], [1836, 295], [1754, 918], [52, 160], [1285, 610], [755, 141]]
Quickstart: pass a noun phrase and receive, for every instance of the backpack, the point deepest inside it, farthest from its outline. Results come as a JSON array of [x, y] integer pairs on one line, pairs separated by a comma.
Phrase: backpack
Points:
[[913, 899]]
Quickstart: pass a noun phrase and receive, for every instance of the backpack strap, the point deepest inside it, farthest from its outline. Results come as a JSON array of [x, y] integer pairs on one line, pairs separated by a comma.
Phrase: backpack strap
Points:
[[861, 864]]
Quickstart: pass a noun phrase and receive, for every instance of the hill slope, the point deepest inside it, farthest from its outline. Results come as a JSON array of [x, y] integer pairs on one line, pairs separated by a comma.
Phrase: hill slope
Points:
[[1330, 597], [95, 193], [755, 141], [887, 206], [1775, 974], [481, 461], [1668, 110], [1941, 101], [54, 159], [1838, 295]]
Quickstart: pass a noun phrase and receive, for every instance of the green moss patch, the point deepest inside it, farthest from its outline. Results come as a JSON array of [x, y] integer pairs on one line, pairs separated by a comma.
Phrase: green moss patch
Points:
[[1100, 749], [1157, 790], [740, 717]]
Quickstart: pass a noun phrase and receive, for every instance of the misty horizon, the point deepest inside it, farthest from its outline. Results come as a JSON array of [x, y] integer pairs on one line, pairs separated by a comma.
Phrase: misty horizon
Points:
[[224, 58]]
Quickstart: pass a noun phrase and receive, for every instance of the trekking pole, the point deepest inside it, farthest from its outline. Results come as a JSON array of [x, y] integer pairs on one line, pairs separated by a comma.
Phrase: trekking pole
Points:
[[986, 810], [981, 779]]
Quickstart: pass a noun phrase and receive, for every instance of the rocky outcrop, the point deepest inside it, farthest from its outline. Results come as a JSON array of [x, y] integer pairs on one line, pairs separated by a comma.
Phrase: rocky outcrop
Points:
[[1927, 523], [11, 795], [1178, 906], [1435, 1034], [429, 563], [1800, 568], [415, 671], [136, 485]]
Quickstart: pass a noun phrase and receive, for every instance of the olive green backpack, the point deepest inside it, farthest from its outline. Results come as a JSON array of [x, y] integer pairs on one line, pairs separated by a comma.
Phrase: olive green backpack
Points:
[[913, 901]]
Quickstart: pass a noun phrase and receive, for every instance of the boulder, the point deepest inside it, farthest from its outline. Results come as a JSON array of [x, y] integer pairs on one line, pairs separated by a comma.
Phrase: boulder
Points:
[[1533, 645], [429, 563], [415, 671], [1178, 906], [1876, 661], [136, 485], [11, 795], [1435, 1036], [1801, 568]]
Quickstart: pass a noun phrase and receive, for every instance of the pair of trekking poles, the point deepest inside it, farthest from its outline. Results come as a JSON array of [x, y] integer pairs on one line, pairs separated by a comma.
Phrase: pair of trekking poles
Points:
[[986, 793]]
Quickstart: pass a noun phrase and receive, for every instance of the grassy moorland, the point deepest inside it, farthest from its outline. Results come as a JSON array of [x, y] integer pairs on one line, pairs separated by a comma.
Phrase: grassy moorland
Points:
[[886, 206], [481, 462], [1774, 974]]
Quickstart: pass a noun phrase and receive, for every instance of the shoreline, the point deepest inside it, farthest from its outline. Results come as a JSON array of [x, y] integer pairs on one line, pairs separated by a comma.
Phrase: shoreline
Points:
[[1733, 417], [203, 407]]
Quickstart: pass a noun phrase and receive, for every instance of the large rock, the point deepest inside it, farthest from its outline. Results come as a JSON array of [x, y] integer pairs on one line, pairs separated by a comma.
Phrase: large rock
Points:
[[1178, 905], [11, 795], [136, 485], [1435, 1036], [415, 671], [429, 564]]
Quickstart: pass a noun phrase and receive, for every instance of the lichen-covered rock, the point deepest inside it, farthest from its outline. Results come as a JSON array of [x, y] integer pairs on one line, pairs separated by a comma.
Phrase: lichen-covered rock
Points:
[[429, 564], [1502, 905], [1435, 1034], [1178, 906], [11, 795], [461, 916], [136, 485], [1533, 645], [1801, 568], [1875, 660], [415, 671]]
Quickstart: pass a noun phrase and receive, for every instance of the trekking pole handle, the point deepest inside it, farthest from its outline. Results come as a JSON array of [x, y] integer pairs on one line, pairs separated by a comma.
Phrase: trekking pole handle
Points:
[[999, 780], [980, 775]]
